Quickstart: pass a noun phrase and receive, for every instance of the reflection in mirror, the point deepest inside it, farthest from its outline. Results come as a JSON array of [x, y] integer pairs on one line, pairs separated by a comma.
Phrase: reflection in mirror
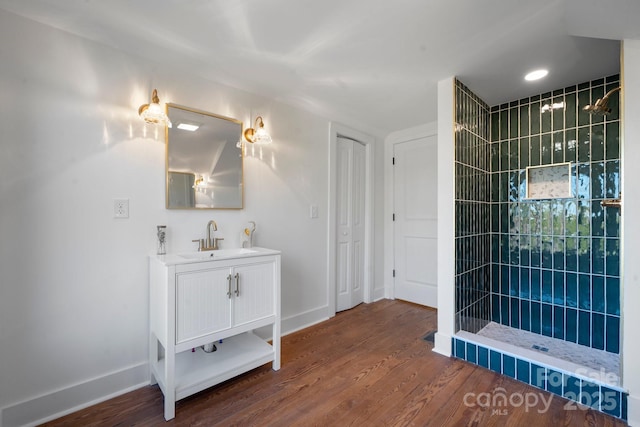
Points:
[[204, 165]]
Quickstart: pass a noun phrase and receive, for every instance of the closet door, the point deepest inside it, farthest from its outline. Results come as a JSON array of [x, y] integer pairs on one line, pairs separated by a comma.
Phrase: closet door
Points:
[[350, 213]]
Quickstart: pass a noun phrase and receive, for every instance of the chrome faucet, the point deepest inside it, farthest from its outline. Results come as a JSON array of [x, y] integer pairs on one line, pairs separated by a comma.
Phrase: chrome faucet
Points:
[[209, 243]]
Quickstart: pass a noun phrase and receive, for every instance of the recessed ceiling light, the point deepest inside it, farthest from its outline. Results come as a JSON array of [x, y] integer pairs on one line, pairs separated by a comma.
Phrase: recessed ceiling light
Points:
[[187, 126], [536, 75]]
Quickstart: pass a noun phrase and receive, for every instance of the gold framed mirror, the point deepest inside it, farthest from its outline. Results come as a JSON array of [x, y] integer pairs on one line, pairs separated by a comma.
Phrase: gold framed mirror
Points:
[[204, 167]]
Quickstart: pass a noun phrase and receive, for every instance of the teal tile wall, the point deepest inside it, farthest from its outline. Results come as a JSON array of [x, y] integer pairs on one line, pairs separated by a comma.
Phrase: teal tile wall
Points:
[[555, 265], [472, 210]]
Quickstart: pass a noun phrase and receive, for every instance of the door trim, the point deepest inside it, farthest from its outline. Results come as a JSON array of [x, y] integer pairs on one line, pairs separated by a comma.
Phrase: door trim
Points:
[[336, 130], [423, 131]]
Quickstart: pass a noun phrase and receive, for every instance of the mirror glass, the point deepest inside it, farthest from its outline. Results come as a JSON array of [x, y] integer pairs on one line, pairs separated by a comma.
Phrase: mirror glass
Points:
[[204, 166]]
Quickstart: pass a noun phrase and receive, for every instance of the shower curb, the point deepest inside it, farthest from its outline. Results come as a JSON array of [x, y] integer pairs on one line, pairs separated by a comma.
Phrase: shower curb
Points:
[[586, 390]]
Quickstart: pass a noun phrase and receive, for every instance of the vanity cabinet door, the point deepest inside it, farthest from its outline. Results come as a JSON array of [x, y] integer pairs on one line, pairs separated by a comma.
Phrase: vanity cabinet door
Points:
[[203, 305], [255, 287]]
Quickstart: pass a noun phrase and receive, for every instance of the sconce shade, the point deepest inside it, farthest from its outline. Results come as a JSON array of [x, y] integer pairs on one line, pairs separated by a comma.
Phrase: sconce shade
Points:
[[153, 112], [258, 134]]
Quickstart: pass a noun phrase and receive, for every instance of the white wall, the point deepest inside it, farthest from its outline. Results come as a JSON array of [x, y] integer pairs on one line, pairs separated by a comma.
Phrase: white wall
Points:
[[446, 234], [631, 226], [74, 291]]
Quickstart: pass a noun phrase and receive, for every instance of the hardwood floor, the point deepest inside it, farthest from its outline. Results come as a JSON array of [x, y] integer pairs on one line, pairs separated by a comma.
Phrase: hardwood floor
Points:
[[368, 366]]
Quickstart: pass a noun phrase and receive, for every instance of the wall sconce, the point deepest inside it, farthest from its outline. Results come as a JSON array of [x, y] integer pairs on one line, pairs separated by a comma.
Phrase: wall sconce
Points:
[[153, 112], [257, 134], [198, 182]]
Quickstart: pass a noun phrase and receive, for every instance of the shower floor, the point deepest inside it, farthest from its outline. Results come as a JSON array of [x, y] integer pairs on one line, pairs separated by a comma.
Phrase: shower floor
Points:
[[597, 360]]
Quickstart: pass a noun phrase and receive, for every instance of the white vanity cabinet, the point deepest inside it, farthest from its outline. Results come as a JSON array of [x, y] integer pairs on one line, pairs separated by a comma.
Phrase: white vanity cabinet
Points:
[[199, 301]]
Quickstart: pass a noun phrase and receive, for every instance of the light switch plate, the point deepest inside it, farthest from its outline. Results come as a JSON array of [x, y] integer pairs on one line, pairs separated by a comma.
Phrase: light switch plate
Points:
[[313, 211]]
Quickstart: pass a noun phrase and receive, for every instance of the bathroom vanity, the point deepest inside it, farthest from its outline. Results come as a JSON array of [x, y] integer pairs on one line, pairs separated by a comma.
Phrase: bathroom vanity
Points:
[[203, 297]]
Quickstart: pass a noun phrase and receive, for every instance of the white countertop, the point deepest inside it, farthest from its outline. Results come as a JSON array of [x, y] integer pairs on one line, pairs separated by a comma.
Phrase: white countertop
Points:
[[220, 254]]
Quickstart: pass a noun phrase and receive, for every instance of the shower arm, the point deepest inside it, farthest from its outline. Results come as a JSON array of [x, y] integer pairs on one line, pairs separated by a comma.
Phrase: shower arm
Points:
[[611, 92], [601, 104], [604, 101]]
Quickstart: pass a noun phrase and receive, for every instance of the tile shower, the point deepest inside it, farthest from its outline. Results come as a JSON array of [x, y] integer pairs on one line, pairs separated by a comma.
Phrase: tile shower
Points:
[[542, 274]]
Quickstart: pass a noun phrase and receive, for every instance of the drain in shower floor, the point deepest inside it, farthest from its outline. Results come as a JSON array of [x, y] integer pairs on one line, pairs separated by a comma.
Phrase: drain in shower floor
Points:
[[537, 347]]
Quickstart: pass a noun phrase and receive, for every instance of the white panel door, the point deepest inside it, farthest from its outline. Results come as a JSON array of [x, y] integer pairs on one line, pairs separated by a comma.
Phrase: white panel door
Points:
[[415, 225], [202, 303], [351, 156]]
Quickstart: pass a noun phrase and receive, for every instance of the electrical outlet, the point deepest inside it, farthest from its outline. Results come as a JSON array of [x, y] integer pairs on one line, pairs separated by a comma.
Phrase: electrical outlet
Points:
[[121, 208], [313, 211]]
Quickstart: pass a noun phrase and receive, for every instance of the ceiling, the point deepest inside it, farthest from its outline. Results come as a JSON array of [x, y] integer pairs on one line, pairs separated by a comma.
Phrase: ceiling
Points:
[[374, 64]]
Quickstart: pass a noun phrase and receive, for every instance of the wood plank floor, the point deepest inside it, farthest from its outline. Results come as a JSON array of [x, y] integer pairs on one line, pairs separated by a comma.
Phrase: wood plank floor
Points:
[[368, 366]]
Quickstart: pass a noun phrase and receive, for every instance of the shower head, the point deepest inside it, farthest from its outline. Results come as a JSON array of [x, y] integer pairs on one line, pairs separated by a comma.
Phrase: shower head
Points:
[[601, 106]]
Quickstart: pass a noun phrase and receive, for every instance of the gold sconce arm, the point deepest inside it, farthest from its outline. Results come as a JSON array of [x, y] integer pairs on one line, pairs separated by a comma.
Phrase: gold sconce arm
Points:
[[257, 134]]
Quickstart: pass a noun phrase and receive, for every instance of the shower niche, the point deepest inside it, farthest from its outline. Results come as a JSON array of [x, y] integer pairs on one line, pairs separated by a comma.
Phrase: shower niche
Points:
[[549, 182]]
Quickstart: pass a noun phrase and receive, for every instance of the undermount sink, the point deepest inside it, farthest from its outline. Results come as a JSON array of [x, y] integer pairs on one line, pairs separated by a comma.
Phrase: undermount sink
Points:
[[218, 254]]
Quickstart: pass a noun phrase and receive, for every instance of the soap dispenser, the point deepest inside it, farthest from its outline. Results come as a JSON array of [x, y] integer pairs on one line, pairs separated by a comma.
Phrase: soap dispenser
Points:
[[247, 235], [161, 241]]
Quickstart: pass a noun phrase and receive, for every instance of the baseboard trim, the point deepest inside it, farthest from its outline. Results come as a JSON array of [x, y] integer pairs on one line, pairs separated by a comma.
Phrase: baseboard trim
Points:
[[67, 400], [442, 344], [379, 294], [304, 320], [295, 323]]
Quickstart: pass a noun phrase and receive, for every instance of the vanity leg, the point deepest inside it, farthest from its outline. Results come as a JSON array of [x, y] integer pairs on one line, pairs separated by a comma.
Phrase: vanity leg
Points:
[[170, 387], [276, 346], [153, 358], [276, 325]]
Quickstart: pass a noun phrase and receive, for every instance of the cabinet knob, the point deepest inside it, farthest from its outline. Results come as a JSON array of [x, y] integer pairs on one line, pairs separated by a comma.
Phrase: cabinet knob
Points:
[[229, 286], [237, 284]]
